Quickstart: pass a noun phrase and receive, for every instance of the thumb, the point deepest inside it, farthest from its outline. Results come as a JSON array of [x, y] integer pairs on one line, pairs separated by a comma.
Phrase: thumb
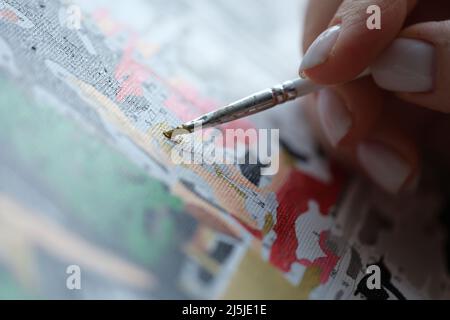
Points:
[[417, 65]]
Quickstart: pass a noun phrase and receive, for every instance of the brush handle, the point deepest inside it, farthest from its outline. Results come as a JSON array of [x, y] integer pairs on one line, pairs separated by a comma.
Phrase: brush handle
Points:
[[258, 102]]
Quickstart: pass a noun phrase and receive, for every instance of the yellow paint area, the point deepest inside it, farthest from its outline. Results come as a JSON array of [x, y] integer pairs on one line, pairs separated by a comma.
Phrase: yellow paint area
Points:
[[257, 279]]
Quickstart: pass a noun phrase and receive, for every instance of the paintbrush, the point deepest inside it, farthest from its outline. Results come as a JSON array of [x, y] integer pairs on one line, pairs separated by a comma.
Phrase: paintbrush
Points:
[[255, 103]]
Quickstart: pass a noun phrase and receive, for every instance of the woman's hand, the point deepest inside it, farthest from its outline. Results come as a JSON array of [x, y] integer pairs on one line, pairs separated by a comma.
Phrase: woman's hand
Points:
[[382, 125]]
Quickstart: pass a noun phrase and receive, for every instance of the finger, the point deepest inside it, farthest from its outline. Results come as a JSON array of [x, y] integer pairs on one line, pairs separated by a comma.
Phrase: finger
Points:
[[345, 49], [317, 17], [417, 65], [389, 157], [387, 153], [347, 112]]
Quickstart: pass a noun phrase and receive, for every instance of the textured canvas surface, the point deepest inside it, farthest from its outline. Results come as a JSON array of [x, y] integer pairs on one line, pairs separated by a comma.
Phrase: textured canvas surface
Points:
[[86, 176]]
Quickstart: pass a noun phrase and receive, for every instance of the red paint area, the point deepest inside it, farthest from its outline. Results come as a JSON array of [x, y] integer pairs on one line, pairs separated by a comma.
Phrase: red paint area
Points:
[[9, 15], [293, 200], [188, 92], [131, 74]]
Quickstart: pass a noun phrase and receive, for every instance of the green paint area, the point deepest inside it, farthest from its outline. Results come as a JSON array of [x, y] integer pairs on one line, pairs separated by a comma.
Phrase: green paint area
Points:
[[106, 194], [12, 289]]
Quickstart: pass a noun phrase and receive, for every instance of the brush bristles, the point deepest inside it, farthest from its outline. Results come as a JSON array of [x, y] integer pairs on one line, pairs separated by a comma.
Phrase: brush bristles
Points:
[[168, 134]]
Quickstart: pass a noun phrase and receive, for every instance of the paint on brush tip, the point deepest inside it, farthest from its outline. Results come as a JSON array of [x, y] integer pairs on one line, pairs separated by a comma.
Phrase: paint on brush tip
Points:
[[170, 134]]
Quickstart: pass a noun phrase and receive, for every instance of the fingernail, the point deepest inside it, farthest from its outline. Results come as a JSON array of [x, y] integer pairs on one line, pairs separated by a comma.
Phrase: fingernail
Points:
[[334, 116], [384, 165], [320, 49], [407, 65]]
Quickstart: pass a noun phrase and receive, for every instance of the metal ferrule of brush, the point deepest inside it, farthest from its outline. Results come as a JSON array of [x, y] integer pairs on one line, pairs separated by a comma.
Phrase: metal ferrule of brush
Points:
[[247, 106]]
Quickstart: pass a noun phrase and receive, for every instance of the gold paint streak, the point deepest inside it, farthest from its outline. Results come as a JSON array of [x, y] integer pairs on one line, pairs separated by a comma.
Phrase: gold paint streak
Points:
[[111, 112], [168, 134], [220, 174], [311, 280], [268, 223], [256, 279]]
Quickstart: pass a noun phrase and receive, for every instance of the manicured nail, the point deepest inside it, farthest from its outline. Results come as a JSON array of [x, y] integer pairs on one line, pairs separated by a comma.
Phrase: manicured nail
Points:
[[385, 166], [320, 49], [407, 65], [334, 116]]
